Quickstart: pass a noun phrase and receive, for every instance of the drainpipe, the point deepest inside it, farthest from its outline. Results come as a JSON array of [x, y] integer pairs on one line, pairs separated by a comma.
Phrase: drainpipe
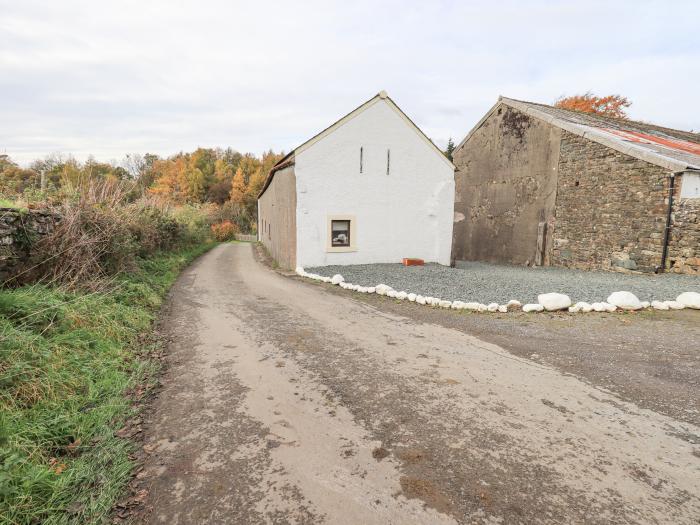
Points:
[[667, 230]]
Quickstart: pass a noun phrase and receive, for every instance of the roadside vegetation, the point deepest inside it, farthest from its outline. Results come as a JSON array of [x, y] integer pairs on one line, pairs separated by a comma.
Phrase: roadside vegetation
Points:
[[222, 182], [77, 352], [73, 366]]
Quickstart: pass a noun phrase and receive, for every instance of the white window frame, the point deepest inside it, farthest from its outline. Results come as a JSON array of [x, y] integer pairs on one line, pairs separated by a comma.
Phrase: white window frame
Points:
[[353, 234]]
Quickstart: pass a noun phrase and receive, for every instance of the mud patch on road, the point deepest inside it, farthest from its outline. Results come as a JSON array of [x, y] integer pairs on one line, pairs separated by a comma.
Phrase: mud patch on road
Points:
[[427, 492]]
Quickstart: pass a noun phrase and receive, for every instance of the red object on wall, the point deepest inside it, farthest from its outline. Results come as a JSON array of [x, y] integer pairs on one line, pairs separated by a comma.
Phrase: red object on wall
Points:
[[413, 262]]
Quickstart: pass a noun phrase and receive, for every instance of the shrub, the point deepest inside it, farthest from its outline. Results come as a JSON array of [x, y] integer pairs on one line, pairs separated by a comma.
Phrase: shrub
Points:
[[195, 220], [154, 229], [101, 233], [224, 231]]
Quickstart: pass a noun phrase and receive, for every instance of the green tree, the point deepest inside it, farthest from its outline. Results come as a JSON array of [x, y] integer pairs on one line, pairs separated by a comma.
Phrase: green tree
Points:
[[450, 149]]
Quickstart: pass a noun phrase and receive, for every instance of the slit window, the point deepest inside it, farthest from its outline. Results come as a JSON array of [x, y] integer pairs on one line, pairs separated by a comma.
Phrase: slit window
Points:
[[361, 159], [340, 233], [388, 160]]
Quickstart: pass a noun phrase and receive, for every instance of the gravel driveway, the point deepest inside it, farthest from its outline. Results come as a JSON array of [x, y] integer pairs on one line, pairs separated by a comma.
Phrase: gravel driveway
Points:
[[485, 283]]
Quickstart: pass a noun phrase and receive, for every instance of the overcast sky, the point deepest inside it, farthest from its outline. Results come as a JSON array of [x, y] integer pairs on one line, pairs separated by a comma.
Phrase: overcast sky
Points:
[[114, 77]]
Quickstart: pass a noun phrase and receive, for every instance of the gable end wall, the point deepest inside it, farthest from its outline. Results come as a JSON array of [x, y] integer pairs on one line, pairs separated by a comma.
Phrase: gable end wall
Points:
[[505, 189]]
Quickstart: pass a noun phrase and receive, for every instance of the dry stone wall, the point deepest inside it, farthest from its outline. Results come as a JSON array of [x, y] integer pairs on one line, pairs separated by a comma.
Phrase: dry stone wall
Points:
[[19, 231]]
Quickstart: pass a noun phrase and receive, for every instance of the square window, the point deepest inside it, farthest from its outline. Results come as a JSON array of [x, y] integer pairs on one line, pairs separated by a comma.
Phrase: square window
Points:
[[340, 233]]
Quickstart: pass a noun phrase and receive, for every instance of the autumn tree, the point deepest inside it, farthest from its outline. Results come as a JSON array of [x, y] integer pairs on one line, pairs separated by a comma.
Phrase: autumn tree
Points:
[[608, 106], [168, 176], [14, 179], [238, 187], [218, 192]]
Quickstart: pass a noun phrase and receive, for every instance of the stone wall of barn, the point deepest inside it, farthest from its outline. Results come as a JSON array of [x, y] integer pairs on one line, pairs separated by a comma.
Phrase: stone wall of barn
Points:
[[684, 245], [610, 212], [19, 231], [505, 188]]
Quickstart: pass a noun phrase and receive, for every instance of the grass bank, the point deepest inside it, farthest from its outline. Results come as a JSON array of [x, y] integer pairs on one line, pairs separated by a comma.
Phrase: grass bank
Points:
[[67, 362]]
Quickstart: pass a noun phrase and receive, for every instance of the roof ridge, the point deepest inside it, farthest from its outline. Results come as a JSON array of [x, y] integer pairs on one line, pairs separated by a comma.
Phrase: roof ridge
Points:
[[606, 137], [619, 120]]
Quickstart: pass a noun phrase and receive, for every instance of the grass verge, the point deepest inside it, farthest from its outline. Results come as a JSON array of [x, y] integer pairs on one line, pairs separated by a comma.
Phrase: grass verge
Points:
[[67, 362]]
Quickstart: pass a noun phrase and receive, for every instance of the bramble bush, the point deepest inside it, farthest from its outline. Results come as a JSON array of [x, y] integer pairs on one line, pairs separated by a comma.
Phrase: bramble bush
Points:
[[102, 232]]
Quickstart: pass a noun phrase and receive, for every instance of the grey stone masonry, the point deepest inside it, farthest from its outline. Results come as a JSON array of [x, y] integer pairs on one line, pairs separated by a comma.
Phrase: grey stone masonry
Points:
[[684, 245], [611, 209], [19, 232]]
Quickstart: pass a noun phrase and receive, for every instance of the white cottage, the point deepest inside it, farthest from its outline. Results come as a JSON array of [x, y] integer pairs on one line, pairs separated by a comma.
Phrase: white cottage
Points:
[[371, 188]]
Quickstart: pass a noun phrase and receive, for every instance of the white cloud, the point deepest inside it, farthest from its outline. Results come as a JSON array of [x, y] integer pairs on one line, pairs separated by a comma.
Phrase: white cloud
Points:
[[160, 76]]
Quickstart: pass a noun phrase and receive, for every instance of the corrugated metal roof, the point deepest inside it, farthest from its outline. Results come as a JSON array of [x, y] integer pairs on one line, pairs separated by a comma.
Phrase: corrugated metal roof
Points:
[[670, 148]]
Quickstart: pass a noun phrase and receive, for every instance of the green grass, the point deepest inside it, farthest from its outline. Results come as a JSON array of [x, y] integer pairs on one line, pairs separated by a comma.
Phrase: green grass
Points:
[[66, 361], [4, 203]]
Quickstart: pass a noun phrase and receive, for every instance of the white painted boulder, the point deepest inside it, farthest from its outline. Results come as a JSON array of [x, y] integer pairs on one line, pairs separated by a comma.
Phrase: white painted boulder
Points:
[[689, 300], [412, 297], [675, 305], [531, 307], [402, 295], [492, 307], [603, 307], [581, 306], [445, 304], [337, 279], [554, 301], [382, 289], [660, 305], [503, 308], [420, 299], [474, 307], [625, 301]]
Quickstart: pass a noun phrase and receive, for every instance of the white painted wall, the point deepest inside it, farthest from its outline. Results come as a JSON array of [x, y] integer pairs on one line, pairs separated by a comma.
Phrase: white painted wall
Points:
[[407, 213], [690, 185]]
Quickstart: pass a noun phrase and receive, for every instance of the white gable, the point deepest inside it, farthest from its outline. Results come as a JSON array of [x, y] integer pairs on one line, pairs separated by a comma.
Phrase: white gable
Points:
[[405, 213]]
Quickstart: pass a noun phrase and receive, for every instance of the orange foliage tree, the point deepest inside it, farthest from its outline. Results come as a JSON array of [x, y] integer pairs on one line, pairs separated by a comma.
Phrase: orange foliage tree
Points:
[[222, 177], [609, 106]]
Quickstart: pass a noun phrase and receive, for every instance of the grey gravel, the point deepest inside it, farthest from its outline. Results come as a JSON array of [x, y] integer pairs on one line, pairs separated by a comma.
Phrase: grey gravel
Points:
[[486, 283]]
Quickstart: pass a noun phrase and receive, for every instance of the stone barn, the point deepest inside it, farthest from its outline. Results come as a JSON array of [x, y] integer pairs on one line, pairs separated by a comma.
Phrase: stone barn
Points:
[[371, 188], [539, 185]]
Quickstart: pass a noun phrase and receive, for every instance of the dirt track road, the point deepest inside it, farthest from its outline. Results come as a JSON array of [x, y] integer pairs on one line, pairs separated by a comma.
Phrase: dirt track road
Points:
[[286, 404]]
